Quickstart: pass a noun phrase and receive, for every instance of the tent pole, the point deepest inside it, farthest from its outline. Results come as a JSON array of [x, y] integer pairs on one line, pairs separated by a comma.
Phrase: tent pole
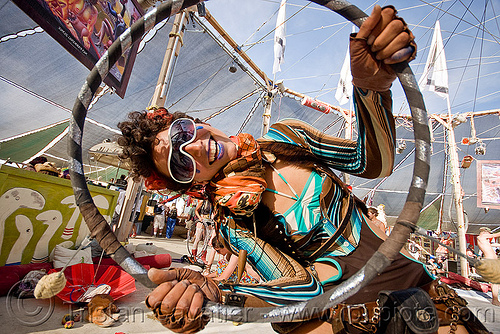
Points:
[[117, 170], [348, 134], [268, 82], [125, 223], [457, 188], [173, 46], [267, 112], [158, 100]]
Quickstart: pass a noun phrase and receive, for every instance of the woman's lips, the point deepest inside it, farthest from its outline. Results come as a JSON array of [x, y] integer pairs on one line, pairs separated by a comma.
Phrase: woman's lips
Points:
[[215, 151]]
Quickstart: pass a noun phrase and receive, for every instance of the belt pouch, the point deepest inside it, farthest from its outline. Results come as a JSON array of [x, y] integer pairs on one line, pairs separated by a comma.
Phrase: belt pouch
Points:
[[407, 311]]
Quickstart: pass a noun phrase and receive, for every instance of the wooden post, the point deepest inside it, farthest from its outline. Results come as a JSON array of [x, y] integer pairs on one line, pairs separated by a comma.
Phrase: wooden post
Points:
[[267, 113], [173, 47], [457, 191], [125, 223], [158, 100]]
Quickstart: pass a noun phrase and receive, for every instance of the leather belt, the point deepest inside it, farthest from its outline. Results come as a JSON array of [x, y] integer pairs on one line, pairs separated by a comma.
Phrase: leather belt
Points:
[[362, 316]]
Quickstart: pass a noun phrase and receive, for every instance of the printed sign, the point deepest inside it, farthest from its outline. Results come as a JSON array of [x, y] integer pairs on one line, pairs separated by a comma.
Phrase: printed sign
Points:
[[87, 28]]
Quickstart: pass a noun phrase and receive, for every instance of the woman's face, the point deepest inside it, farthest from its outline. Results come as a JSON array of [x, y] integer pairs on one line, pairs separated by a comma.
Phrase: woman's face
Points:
[[211, 149]]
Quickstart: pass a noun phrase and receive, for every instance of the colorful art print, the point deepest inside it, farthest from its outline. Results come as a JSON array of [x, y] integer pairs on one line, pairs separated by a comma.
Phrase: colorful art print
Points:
[[488, 184], [87, 28]]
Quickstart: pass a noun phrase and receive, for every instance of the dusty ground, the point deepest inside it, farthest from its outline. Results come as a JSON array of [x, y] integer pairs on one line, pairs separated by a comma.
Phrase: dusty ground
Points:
[[32, 316]]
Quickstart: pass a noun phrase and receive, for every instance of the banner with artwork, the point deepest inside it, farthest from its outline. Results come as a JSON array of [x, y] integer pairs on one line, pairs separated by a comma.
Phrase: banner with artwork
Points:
[[87, 29], [488, 184]]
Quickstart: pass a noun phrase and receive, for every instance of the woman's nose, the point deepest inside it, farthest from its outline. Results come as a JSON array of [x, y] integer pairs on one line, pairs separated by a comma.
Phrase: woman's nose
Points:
[[195, 148]]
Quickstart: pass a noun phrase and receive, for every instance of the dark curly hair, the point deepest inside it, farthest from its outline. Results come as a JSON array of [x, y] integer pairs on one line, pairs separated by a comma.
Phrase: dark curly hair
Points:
[[138, 139]]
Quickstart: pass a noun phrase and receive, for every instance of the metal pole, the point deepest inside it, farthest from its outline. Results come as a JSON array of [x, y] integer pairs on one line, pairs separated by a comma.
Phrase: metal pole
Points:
[[158, 100], [267, 112], [348, 134], [117, 170], [175, 36]]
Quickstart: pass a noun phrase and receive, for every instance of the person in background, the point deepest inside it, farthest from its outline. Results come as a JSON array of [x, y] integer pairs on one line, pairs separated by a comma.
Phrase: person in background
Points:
[[432, 266], [64, 174], [48, 168], [203, 213], [122, 181], [159, 219], [191, 220], [415, 250], [136, 226], [486, 242], [372, 215], [442, 252], [180, 203], [470, 253], [227, 267], [118, 209], [31, 165], [171, 221]]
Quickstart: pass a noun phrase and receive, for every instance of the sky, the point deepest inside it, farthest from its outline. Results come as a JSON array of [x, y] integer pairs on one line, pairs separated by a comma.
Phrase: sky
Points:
[[317, 40]]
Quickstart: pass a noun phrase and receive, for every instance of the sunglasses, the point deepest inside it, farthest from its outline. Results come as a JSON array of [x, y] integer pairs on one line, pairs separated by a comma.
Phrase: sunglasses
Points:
[[181, 165]]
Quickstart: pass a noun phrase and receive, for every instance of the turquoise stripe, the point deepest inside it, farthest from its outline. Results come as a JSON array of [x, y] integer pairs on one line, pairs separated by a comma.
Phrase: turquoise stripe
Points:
[[345, 246], [288, 294], [298, 207], [262, 263], [276, 135], [336, 264]]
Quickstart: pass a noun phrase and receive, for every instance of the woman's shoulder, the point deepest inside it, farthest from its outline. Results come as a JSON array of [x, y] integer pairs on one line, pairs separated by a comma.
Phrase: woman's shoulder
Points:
[[286, 131]]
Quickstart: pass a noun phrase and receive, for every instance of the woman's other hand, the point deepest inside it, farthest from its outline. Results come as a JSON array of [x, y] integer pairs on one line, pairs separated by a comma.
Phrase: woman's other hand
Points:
[[178, 300], [382, 39]]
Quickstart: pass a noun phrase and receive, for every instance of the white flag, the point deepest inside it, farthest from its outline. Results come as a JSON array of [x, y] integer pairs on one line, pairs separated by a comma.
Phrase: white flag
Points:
[[344, 87], [279, 38], [435, 76]]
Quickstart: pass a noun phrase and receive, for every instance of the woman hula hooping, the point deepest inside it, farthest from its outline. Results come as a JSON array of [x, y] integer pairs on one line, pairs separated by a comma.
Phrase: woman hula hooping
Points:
[[276, 200]]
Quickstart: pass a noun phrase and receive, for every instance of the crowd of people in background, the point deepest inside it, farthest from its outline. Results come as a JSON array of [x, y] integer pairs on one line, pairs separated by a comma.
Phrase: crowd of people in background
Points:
[[486, 242], [196, 215], [438, 263]]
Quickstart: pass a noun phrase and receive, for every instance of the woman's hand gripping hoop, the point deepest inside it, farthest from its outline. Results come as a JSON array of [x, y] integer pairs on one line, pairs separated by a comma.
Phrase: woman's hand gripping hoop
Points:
[[178, 300], [383, 39]]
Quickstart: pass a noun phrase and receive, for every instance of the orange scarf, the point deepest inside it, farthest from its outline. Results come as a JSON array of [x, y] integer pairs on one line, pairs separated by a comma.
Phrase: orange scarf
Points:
[[240, 184]]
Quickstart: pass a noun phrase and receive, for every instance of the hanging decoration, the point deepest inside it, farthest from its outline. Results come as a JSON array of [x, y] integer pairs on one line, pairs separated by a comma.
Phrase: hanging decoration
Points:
[[466, 161]]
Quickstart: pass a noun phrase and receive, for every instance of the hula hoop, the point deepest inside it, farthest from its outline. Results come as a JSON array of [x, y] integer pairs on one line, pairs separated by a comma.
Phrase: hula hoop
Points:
[[295, 312]]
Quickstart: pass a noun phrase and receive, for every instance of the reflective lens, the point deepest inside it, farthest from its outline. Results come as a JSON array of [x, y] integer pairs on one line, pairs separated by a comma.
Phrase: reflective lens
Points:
[[181, 165]]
